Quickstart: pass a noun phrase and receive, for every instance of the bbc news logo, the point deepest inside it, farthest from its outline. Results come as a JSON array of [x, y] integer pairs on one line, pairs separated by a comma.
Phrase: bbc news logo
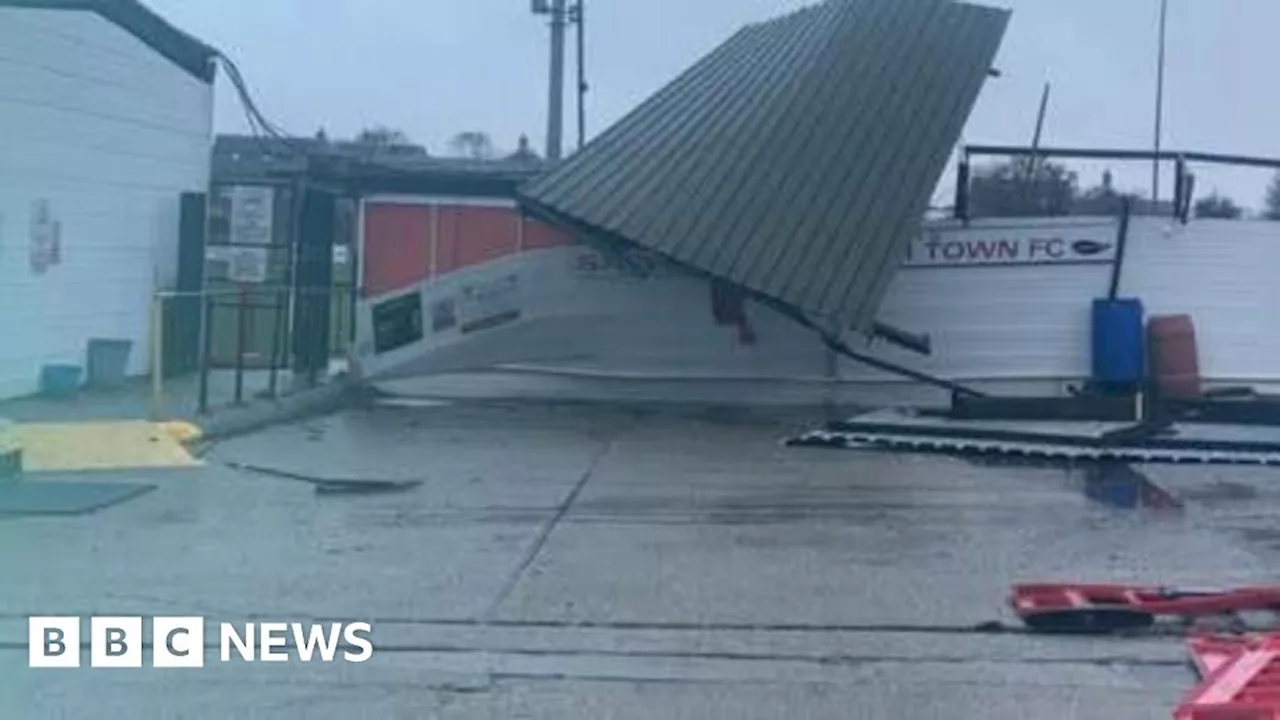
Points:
[[179, 642]]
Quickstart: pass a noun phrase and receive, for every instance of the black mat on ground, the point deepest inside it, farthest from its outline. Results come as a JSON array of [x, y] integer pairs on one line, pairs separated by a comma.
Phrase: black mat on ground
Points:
[[37, 498], [1074, 440], [1100, 408], [1087, 434]]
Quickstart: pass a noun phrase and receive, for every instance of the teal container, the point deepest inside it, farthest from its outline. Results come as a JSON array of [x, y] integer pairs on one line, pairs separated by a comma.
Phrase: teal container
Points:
[[60, 381], [108, 363]]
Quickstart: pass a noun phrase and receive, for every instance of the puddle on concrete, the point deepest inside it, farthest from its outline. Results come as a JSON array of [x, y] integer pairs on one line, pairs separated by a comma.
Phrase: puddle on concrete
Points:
[[1114, 484], [1118, 485], [1222, 491]]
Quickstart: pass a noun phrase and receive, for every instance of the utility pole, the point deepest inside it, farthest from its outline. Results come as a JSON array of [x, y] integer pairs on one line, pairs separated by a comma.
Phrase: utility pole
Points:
[[555, 112], [561, 15], [579, 16], [1155, 162]]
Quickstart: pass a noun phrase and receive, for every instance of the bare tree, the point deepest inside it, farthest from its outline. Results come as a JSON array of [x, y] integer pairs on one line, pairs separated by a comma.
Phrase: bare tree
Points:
[[1272, 202], [1102, 199], [1218, 206], [472, 144], [381, 136], [1022, 187]]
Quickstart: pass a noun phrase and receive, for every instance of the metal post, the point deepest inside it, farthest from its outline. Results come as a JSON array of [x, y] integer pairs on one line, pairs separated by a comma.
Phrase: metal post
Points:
[[555, 113], [206, 349], [241, 341], [1044, 107], [1122, 243], [582, 72], [961, 210], [1155, 162], [1035, 139], [830, 398], [157, 357], [281, 301]]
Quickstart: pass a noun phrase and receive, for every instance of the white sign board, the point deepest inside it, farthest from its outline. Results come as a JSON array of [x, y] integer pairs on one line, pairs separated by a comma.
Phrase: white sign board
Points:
[[488, 304], [1046, 243], [252, 214], [247, 265]]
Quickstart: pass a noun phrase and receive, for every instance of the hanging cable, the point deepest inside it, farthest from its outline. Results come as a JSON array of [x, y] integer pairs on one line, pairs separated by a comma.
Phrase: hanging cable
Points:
[[259, 125]]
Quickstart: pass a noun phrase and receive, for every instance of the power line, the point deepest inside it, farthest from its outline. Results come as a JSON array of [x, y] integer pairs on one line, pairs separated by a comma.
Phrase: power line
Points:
[[259, 125]]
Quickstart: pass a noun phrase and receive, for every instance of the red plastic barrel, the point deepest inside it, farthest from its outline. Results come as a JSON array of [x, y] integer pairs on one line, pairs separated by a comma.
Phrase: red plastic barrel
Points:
[[1175, 364]]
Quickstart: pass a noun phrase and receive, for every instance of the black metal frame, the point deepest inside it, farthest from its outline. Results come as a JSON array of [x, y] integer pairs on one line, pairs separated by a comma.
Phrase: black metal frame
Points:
[[1114, 154], [1138, 436], [1184, 184]]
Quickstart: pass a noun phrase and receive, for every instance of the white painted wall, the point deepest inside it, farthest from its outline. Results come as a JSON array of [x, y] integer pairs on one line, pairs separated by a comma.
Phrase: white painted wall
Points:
[[110, 133]]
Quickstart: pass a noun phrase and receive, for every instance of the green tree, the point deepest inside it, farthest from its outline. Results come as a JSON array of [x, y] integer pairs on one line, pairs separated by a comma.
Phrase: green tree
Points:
[[1218, 206]]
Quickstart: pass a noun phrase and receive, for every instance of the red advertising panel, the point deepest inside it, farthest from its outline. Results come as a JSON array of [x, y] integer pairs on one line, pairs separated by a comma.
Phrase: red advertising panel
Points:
[[397, 247], [541, 235], [402, 248], [474, 235]]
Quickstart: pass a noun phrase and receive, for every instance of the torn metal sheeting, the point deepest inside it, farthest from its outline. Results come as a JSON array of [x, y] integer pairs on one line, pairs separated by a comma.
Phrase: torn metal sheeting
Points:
[[798, 158], [1059, 440], [1045, 451], [364, 487]]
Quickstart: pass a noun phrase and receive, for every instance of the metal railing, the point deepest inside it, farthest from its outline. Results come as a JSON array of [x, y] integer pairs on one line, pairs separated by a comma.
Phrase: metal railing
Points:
[[1179, 204], [225, 346]]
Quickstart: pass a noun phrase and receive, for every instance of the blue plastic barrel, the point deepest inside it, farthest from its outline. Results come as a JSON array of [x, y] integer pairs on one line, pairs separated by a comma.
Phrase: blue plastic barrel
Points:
[[60, 381], [1119, 352]]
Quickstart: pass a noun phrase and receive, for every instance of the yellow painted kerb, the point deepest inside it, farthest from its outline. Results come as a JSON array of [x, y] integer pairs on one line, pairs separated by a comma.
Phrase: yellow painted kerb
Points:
[[104, 446]]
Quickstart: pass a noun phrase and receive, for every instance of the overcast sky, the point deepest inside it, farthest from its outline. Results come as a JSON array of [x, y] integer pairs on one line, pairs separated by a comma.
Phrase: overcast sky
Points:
[[434, 67]]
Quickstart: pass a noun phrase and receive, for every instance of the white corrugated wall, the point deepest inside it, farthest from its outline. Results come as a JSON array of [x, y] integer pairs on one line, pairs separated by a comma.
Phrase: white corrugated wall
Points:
[[107, 134], [1032, 322]]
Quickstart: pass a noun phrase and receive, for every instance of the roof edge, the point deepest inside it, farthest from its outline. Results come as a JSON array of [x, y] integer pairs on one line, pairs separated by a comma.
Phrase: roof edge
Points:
[[188, 53]]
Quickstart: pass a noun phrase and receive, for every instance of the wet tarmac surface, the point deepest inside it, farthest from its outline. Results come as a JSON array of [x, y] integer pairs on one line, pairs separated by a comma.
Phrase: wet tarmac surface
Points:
[[576, 561]]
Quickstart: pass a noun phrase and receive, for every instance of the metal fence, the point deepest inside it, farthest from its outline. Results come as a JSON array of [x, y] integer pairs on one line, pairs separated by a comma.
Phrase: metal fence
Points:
[[227, 346]]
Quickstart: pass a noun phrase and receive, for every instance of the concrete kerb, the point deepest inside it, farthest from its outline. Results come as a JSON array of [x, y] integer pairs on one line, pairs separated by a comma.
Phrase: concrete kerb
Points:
[[230, 422], [807, 415]]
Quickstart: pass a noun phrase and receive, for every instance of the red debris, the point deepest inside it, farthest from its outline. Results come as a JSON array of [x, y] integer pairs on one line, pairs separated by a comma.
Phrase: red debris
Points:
[[1243, 682], [1119, 605]]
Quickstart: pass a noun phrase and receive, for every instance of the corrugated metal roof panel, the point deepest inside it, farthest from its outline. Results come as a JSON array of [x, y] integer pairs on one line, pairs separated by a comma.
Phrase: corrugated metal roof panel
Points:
[[798, 157]]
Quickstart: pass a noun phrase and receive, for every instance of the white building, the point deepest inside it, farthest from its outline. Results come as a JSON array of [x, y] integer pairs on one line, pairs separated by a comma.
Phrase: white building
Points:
[[106, 115]]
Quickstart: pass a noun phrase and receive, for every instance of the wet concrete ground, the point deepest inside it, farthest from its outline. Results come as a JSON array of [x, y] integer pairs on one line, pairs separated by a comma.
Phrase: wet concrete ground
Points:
[[586, 562]]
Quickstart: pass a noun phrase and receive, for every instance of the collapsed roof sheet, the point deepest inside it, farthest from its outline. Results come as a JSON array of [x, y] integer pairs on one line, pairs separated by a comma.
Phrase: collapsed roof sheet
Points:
[[796, 159]]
